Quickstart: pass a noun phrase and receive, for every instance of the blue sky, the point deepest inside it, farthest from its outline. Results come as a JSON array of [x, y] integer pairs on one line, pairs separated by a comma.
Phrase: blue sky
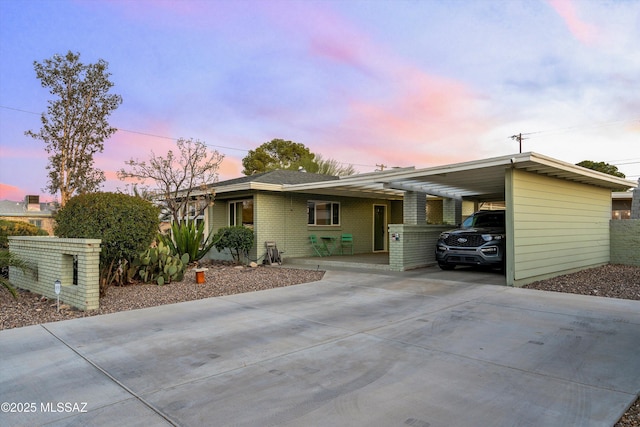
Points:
[[365, 82]]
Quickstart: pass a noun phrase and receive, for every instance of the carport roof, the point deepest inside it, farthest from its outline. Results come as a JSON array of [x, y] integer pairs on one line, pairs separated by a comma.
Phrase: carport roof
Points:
[[479, 179]]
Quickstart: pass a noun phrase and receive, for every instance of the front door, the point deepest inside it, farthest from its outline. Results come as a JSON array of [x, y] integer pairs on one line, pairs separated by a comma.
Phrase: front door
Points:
[[379, 228]]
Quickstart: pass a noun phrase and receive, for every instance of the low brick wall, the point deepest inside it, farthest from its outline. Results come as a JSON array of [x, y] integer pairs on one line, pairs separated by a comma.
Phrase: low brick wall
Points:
[[625, 241], [53, 259], [414, 246]]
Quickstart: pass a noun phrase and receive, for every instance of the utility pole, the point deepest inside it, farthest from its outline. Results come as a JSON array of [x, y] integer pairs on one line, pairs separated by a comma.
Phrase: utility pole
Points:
[[381, 166], [518, 138]]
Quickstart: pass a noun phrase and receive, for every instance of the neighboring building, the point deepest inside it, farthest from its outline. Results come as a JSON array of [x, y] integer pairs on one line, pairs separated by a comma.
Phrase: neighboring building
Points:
[[621, 204], [31, 211]]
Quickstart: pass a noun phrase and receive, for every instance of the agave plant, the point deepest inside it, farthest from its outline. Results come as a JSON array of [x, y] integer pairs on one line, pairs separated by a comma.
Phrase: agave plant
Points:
[[188, 238]]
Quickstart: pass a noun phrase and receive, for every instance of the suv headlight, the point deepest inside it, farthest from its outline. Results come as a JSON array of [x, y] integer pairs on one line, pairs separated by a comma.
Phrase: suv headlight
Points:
[[444, 236], [490, 237]]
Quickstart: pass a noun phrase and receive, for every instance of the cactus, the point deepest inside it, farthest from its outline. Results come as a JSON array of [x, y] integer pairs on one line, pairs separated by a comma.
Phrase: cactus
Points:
[[158, 265]]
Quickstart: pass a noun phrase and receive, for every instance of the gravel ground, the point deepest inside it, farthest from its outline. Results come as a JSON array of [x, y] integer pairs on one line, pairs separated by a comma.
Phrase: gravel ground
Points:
[[221, 279], [612, 281]]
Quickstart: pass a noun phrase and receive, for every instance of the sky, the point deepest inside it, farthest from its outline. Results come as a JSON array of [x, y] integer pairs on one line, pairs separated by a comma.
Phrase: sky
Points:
[[365, 82]]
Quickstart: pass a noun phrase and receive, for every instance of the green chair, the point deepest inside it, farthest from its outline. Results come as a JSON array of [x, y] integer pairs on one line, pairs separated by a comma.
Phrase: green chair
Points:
[[319, 247], [346, 241]]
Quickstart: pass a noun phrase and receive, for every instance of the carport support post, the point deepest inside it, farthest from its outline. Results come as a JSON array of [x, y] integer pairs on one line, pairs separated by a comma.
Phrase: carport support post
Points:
[[415, 208], [509, 228], [452, 211], [635, 202]]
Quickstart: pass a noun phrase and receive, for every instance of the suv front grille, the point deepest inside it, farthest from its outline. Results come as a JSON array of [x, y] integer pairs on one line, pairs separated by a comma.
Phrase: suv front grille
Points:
[[472, 241]]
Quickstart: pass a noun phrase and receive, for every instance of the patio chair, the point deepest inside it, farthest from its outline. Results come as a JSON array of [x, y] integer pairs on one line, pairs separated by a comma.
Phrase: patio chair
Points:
[[346, 241], [319, 247]]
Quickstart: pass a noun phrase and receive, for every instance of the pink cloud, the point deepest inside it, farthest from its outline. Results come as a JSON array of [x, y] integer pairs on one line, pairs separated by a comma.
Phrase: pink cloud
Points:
[[125, 145], [11, 192], [408, 109], [17, 194], [22, 152], [583, 31], [230, 168], [435, 118]]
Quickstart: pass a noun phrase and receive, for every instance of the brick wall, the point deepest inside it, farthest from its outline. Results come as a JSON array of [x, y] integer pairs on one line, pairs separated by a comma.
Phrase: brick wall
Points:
[[625, 241], [53, 259], [415, 246], [415, 207]]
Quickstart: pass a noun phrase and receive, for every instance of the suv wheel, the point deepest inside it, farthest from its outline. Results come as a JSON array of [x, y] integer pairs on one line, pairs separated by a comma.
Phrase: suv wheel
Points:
[[446, 266]]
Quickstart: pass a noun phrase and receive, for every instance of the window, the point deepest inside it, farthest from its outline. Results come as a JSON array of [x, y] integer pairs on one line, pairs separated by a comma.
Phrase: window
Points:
[[241, 213], [323, 213], [36, 222]]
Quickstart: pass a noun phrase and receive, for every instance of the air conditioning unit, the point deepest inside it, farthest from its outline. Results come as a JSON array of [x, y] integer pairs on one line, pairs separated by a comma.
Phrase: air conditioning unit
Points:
[[33, 203]]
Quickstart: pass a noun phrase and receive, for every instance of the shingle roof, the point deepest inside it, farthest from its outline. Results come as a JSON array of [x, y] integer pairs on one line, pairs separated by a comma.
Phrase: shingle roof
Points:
[[279, 177], [11, 208]]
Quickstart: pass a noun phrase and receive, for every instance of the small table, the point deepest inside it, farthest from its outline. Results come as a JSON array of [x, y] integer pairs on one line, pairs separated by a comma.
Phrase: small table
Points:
[[329, 243]]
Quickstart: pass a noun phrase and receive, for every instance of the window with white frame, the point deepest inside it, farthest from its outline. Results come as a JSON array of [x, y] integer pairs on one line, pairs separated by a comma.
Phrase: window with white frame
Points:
[[323, 213], [241, 213], [193, 211]]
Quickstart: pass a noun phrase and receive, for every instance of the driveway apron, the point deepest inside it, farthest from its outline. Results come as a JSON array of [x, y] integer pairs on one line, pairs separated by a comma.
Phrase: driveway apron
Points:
[[354, 349]]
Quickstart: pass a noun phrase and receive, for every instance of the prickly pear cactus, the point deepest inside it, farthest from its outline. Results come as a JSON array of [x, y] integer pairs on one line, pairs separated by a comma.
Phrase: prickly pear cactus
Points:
[[158, 265]]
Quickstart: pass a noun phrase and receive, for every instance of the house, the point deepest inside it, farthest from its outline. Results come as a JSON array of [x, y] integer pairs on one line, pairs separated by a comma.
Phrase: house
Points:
[[621, 204], [264, 203], [557, 213], [31, 211]]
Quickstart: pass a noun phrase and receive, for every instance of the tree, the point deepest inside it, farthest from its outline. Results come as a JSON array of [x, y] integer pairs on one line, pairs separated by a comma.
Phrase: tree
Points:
[[281, 154], [181, 180], [276, 154], [601, 167], [75, 125], [328, 167]]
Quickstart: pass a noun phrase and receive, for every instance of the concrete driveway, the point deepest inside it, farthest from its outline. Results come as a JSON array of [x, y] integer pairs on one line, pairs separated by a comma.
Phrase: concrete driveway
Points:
[[355, 349]]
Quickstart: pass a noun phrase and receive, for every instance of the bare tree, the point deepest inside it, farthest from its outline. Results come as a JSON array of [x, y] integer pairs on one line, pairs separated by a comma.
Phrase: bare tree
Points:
[[180, 179], [75, 124]]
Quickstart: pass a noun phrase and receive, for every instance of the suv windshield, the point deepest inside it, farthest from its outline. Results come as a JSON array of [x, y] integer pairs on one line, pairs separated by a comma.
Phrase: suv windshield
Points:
[[485, 220]]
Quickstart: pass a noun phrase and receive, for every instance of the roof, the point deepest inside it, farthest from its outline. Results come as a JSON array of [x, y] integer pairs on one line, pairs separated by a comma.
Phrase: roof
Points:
[[270, 181], [475, 180], [12, 208], [278, 177]]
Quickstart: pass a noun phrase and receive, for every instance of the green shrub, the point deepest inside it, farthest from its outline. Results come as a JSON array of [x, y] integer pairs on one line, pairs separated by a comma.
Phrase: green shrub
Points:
[[127, 225], [17, 228], [188, 238], [238, 239]]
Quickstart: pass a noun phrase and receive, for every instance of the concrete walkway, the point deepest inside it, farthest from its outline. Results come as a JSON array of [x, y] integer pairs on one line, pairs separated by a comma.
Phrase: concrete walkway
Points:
[[355, 349]]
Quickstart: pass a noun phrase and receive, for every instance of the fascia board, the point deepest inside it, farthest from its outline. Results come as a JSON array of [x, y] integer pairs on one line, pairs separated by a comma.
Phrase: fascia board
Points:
[[613, 181]]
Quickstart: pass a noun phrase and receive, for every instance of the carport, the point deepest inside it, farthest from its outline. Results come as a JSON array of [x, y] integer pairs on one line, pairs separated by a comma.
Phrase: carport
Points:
[[557, 213]]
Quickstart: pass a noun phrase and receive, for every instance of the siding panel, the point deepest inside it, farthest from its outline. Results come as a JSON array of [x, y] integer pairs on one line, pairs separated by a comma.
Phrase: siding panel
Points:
[[559, 226]]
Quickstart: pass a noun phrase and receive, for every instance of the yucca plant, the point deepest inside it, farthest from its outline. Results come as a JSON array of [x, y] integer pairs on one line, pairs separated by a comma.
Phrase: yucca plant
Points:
[[188, 238]]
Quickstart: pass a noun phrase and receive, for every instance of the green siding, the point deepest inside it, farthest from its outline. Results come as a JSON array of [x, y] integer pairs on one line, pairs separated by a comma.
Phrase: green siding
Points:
[[282, 217], [558, 226]]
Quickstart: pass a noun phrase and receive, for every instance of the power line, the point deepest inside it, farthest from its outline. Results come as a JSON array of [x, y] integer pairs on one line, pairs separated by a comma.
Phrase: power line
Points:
[[583, 127], [519, 137], [175, 139], [17, 109]]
